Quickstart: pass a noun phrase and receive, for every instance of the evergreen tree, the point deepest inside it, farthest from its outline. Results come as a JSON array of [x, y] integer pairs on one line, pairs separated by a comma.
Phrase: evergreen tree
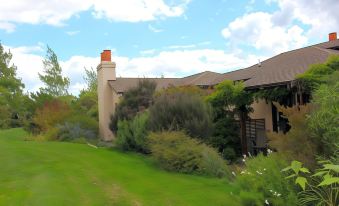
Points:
[[55, 84]]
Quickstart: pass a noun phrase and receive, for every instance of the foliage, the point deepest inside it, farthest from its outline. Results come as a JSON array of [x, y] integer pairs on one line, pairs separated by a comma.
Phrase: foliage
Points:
[[275, 94], [134, 101], [91, 79], [323, 122], [181, 110], [317, 74], [175, 151], [71, 131], [296, 143], [320, 188], [52, 113], [132, 134], [55, 84], [261, 180], [12, 100], [230, 101]]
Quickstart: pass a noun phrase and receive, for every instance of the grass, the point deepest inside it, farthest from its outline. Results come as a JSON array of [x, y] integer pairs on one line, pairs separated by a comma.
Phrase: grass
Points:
[[60, 173]]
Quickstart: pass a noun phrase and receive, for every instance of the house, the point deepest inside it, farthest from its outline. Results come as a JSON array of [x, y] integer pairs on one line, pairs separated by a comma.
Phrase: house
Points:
[[278, 71]]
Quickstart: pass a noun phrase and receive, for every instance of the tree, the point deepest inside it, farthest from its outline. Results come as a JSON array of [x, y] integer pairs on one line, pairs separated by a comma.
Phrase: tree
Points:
[[11, 94], [91, 79], [55, 84], [87, 103], [230, 101]]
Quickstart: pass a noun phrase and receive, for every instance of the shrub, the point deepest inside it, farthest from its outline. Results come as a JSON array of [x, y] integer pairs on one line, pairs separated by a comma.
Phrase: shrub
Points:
[[262, 180], [321, 188], [175, 151], [52, 113], [70, 131], [85, 122], [323, 121], [134, 101], [132, 135], [297, 142], [176, 111]]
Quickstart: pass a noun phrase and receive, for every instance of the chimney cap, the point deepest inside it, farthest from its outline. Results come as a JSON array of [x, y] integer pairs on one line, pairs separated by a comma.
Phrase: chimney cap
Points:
[[332, 36], [106, 55]]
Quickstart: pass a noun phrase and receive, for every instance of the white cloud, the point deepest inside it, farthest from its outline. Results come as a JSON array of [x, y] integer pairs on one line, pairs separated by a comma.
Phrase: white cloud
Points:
[[72, 33], [291, 26], [259, 31], [153, 29], [321, 16], [172, 63], [57, 12]]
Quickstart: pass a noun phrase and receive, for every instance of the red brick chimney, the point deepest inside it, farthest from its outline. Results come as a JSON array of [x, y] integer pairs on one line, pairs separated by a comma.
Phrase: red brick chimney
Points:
[[332, 36], [106, 56]]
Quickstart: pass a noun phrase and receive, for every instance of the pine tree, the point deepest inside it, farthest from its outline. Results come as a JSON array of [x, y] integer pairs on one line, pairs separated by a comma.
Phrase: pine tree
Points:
[[55, 84]]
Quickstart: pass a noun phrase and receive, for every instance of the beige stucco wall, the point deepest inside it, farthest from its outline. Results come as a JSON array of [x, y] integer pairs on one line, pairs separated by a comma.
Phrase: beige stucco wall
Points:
[[263, 110], [106, 98]]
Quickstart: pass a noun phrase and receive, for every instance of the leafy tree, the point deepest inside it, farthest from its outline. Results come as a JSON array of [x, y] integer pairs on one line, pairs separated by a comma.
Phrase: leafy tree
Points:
[[230, 101], [134, 101], [87, 103], [55, 84], [182, 109], [91, 79], [12, 99]]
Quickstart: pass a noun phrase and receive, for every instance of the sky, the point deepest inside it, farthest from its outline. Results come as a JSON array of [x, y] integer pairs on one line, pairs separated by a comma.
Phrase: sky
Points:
[[153, 38]]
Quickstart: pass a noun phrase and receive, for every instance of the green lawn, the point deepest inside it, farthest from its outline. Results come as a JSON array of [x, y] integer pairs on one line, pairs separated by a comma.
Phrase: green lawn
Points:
[[57, 173]]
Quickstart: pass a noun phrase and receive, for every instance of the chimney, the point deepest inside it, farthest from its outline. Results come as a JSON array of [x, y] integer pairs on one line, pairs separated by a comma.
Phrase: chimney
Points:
[[106, 56], [107, 98], [332, 36]]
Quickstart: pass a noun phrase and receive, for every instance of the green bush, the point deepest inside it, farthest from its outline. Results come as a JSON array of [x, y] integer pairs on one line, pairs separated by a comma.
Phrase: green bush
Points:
[[134, 101], [323, 122], [177, 110], [320, 188], [85, 122], [262, 180], [175, 151], [132, 135]]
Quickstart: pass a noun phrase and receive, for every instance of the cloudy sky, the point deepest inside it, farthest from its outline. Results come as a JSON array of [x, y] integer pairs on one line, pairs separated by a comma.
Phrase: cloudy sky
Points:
[[173, 38]]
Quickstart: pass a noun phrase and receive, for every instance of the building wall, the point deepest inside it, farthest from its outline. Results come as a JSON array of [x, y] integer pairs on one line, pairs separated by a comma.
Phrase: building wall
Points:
[[263, 110], [106, 98]]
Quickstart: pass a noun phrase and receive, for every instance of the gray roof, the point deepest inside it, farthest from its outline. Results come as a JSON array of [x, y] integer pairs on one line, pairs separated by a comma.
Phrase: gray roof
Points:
[[279, 69], [284, 67]]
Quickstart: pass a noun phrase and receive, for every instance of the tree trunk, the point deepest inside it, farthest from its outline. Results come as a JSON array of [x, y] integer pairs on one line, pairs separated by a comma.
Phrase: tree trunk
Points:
[[243, 137]]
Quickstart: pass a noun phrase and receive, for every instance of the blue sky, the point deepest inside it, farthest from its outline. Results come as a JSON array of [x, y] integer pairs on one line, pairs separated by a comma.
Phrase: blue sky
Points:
[[159, 37]]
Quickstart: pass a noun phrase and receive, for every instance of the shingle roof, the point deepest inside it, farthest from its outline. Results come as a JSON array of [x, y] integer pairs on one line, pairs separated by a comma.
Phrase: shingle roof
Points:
[[286, 66], [122, 84], [200, 79], [276, 70]]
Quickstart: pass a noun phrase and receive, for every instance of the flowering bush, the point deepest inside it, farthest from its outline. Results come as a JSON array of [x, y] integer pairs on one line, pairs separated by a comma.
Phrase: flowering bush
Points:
[[261, 182]]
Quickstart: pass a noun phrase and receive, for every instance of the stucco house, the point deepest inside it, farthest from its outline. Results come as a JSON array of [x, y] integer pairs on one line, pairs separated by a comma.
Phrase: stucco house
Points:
[[278, 71]]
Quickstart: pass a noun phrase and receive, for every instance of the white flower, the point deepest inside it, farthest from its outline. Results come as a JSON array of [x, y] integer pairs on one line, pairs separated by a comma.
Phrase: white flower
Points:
[[243, 160], [244, 155], [259, 172], [271, 190], [233, 173], [269, 151], [242, 172], [264, 169], [266, 202], [278, 195]]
